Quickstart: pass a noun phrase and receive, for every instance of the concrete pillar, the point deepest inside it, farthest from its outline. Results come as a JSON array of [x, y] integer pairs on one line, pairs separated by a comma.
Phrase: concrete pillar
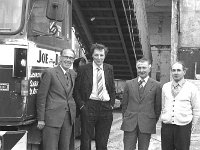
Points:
[[140, 12], [175, 28]]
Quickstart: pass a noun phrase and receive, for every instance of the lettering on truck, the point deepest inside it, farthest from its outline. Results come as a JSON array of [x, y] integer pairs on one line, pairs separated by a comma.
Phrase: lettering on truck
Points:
[[34, 82]]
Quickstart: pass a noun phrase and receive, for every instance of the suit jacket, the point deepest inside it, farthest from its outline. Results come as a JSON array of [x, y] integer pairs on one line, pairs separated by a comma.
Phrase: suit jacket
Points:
[[53, 98], [84, 83], [144, 111]]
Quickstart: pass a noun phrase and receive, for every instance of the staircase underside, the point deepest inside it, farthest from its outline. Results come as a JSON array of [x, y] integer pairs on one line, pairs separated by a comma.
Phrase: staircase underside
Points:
[[112, 23]]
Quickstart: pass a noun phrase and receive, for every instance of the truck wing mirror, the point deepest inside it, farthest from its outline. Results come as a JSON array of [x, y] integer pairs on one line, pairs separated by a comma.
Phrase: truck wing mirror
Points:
[[56, 9]]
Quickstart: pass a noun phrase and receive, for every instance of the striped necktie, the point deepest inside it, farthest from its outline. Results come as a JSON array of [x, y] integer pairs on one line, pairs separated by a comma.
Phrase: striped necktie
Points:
[[140, 83], [99, 84], [141, 88]]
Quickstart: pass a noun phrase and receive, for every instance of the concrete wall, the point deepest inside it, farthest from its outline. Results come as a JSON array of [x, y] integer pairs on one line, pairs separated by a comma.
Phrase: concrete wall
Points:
[[186, 35], [189, 23], [161, 63], [159, 28], [174, 34], [160, 40]]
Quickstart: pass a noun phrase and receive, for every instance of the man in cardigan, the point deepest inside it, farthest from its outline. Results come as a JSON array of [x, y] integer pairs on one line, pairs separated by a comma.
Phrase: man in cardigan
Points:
[[180, 110]]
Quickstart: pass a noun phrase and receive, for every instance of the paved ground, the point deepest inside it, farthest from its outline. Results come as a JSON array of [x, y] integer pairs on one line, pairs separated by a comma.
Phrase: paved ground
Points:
[[116, 137]]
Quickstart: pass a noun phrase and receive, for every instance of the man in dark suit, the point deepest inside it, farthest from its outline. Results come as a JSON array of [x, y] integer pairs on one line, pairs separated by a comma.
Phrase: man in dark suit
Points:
[[56, 108], [141, 108], [95, 96]]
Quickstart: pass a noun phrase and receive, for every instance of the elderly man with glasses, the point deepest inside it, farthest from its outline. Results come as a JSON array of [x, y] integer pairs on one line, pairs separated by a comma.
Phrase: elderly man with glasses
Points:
[[56, 108]]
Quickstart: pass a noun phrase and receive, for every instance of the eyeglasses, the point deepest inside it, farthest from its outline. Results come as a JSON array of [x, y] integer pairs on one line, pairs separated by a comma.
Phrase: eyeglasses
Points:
[[68, 57]]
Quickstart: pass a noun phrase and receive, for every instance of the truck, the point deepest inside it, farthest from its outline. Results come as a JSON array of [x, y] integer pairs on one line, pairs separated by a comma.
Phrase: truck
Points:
[[32, 34]]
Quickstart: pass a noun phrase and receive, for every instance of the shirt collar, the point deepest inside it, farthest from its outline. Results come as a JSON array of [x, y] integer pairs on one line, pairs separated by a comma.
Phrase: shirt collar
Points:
[[145, 79], [95, 66], [64, 71], [180, 83]]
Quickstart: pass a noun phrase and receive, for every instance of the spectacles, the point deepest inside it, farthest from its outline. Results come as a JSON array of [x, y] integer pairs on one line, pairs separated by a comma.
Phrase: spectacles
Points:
[[68, 57]]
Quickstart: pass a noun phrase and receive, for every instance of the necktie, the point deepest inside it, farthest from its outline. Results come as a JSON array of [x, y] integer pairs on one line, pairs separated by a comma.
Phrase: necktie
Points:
[[175, 90], [140, 83], [141, 88], [99, 84], [67, 77]]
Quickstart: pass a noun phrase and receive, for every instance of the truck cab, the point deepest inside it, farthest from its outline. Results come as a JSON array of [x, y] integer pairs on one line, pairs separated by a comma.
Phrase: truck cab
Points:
[[32, 34]]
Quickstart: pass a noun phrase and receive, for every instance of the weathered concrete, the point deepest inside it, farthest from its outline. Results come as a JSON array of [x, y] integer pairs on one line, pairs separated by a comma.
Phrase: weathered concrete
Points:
[[189, 23], [174, 30], [140, 12], [161, 63]]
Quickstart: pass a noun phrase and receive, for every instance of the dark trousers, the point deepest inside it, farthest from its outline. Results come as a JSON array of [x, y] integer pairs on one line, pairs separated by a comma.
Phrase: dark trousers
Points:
[[131, 138], [55, 138], [174, 137], [96, 116]]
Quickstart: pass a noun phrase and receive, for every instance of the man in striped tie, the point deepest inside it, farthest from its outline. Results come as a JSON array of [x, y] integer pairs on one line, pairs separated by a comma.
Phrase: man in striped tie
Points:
[[95, 96]]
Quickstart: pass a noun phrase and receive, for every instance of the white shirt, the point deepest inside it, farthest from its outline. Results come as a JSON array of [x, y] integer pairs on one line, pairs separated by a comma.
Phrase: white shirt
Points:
[[94, 94], [183, 108]]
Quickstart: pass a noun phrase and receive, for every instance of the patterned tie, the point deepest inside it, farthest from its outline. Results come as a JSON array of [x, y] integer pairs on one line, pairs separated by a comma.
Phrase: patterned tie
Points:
[[141, 88], [99, 84], [67, 77], [175, 90], [140, 83]]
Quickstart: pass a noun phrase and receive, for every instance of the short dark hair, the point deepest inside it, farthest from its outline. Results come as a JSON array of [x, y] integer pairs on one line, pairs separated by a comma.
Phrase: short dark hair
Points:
[[181, 63], [77, 61], [99, 47], [143, 59]]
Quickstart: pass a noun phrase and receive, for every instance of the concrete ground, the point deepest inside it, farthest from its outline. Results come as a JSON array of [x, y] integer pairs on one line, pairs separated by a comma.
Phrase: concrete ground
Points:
[[116, 136]]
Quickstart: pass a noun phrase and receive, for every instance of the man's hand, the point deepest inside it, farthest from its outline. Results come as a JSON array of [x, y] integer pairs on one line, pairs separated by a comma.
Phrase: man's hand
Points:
[[41, 125]]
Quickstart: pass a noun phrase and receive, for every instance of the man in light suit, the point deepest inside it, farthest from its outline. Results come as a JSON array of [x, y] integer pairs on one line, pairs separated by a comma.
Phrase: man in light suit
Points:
[[56, 108], [141, 108], [95, 106]]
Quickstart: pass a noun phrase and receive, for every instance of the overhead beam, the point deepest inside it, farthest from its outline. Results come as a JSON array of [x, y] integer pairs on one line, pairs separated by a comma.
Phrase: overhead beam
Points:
[[96, 9], [103, 9], [104, 18], [106, 34], [82, 21], [110, 41], [104, 26], [121, 36]]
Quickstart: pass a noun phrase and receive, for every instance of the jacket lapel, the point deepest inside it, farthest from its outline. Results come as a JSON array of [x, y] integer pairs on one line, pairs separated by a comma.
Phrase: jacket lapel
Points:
[[61, 77], [89, 73], [72, 78], [106, 73], [134, 85]]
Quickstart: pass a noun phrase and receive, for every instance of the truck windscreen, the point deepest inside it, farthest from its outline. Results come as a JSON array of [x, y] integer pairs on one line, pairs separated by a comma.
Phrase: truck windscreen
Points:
[[10, 15]]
